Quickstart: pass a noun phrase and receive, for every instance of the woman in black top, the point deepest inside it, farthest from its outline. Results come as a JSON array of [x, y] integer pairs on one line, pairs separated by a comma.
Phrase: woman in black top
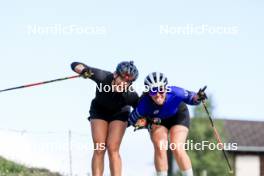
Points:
[[109, 111]]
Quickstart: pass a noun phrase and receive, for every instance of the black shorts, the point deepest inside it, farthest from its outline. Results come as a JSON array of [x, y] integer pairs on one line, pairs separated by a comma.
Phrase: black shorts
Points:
[[182, 117], [121, 115]]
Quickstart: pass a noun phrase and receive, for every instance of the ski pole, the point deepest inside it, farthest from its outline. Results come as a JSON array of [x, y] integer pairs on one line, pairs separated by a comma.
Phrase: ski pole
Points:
[[218, 138], [39, 83]]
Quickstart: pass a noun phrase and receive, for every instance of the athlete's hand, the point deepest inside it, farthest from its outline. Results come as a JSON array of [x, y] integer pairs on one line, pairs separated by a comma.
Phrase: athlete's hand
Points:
[[156, 121], [83, 71], [201, 95], [79, 68], [141, 123]]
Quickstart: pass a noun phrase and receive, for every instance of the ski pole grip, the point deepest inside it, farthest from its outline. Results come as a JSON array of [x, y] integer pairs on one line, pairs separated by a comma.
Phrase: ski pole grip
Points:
[[203, 89]]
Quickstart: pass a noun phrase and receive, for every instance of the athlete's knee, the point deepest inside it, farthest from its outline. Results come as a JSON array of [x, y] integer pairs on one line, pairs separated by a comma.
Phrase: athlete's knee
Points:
[[99, 153], [179, 151], [112, 149], [160, 144], [160, 149], [99, 150]]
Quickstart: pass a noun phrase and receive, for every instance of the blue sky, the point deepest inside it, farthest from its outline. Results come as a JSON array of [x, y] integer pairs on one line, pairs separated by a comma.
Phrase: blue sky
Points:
[[230, 65]]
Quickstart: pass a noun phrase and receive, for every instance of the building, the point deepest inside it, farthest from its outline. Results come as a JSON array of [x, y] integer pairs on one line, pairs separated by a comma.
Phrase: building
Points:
[[249, 156]]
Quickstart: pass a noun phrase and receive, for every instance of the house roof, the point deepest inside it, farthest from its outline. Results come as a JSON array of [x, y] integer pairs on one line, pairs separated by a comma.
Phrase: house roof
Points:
[[249, 135]]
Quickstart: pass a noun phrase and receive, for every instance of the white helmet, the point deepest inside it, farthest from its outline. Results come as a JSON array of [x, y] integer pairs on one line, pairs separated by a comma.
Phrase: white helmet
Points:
[[156, 79]]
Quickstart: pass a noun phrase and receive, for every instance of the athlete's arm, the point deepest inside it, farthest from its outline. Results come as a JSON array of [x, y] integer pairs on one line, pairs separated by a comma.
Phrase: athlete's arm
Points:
[[89, 72], [138, 112], [132, 99], [192, 98], [187, 96]]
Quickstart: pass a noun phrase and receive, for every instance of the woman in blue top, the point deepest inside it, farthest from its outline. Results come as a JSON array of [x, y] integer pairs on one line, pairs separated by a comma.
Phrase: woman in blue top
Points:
[[166, 103]]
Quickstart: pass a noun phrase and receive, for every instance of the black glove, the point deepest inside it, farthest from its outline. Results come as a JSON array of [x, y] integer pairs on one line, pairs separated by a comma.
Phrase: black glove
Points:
[[156, 121], [86, 73], [201, 95]]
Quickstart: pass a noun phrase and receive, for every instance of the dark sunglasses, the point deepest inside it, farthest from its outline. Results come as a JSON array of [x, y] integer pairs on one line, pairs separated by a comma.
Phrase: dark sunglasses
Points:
[[126, 78]]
